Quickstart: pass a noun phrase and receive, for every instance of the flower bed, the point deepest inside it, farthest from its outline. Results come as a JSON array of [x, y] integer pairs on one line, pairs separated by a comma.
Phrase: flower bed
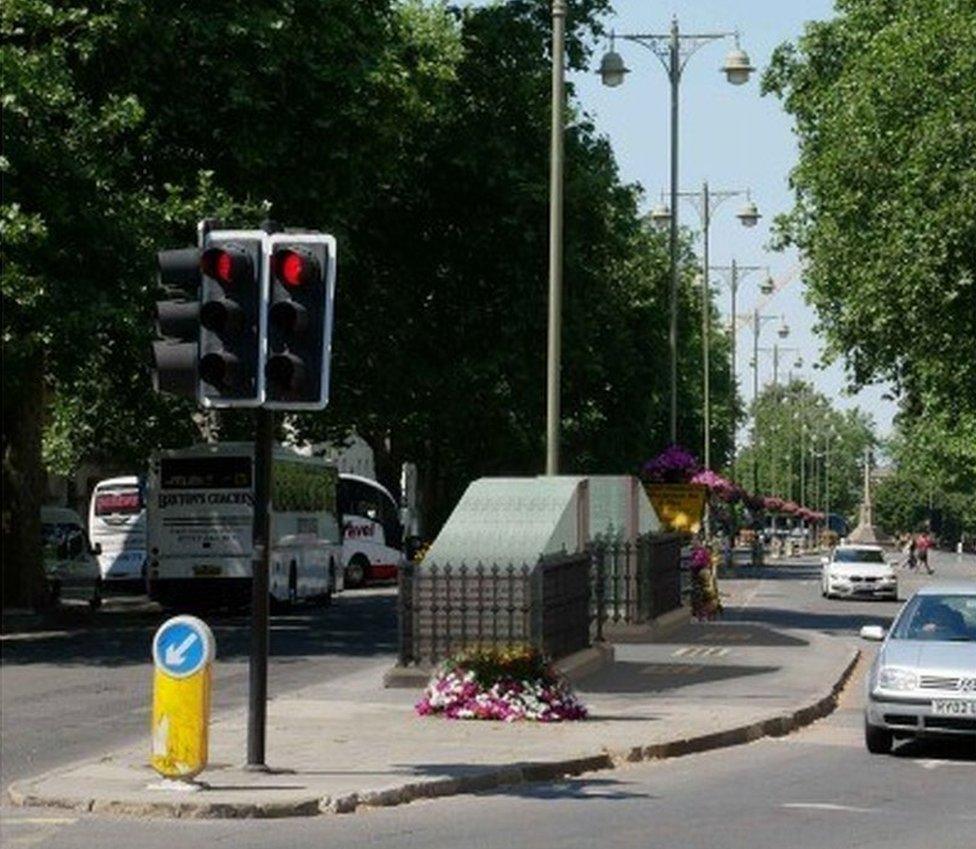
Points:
[[506, 684]]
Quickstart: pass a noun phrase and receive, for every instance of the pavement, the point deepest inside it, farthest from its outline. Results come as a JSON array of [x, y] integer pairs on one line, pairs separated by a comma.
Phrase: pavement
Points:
[[347, 743]]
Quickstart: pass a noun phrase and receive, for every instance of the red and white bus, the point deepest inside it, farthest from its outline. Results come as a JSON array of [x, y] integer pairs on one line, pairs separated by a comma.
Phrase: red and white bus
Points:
[[372, 535], [117, 526]]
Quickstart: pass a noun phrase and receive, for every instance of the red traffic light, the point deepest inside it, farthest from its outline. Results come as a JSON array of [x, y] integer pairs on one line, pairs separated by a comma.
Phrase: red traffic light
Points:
[[227, 266], [295, 268]]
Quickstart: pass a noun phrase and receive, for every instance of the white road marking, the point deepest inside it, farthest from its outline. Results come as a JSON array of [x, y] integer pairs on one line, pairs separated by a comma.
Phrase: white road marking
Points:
[[934, 763], [700, 651], [827, 806], [39, 820], [28, 636]]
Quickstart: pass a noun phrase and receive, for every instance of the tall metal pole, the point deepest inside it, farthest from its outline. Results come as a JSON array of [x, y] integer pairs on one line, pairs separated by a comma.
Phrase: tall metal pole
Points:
[[803, 459], [775, 363], [732, 388], [674, 73], [827, 480], [257, 705], [706, 304], [755, 400], [555, 239]]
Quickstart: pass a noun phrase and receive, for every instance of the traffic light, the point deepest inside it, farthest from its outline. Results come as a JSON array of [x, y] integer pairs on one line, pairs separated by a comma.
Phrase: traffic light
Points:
[[177, 323], [231, 323], [299, 320]]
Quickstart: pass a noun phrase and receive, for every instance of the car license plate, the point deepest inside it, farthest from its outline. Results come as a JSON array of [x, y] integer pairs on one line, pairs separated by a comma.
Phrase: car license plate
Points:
[[954, 707], [206, 571]]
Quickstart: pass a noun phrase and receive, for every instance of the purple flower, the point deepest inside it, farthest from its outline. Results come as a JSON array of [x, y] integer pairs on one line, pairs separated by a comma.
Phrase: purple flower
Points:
[[673, 465]]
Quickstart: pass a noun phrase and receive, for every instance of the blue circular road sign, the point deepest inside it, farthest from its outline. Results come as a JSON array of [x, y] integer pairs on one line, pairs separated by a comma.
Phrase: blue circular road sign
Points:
[[182, 646]]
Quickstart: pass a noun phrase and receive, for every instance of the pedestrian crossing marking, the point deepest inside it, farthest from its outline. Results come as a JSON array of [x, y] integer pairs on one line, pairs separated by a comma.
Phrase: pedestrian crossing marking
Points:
[[701, 651]]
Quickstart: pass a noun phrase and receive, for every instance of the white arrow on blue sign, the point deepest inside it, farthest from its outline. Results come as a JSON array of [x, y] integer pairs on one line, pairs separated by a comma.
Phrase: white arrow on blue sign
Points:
[[182, 646]]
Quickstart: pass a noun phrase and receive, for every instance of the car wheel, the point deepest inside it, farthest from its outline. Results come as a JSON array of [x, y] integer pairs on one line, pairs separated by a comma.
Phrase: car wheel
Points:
[[877, 740], [356, 572]]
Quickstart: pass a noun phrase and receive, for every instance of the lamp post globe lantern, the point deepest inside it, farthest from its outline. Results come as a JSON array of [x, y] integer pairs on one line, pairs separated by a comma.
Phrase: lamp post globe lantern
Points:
[[768, 286], [660, 216], [612, 69], [737, 67], [798, 363], [784, 330], [749, 214]]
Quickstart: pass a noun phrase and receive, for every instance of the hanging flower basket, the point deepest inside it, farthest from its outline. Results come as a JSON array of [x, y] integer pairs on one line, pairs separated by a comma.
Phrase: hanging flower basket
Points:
[[679, 506]]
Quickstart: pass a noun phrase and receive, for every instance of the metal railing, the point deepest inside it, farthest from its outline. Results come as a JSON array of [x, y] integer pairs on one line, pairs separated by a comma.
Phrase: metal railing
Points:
[[557, 605]]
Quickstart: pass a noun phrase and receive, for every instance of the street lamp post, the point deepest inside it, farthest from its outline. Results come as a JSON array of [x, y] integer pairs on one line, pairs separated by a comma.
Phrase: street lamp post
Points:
[[674, 49], [783, 332], [829, 433], [705, 203], [736, 273], [776, 350], [554, 349]]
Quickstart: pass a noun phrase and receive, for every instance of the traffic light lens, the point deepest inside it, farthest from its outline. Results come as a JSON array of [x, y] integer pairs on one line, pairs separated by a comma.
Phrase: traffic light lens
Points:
[[226, 266], [291, 268], [295, 268], [286, 371]]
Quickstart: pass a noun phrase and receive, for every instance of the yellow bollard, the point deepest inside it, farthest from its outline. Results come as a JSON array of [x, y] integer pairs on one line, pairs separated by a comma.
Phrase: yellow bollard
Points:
[[183, 653]]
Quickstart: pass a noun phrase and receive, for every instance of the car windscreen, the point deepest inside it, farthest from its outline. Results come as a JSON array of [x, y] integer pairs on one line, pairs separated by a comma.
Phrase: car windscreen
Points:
[[947, 617], [857, 555]]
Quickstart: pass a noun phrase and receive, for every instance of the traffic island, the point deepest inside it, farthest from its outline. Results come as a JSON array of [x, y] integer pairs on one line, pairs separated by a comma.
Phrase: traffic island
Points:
[[351, 744]]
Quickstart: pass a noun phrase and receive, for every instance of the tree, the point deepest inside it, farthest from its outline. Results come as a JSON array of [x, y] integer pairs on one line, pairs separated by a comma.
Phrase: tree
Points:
[[113, 147], [889, 261], [793, 426], [418, 134]]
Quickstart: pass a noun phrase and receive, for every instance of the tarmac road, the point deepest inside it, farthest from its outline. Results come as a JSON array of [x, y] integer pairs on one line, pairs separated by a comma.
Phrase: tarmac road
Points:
[[77, 686], [817, 788]]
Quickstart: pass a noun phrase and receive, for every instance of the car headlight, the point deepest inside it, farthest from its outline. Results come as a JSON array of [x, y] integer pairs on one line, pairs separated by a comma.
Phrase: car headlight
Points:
[[893, 678]]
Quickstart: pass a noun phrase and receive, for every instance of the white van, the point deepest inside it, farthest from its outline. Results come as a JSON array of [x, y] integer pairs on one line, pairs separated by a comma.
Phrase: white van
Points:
[[117, 525], [69, 559]]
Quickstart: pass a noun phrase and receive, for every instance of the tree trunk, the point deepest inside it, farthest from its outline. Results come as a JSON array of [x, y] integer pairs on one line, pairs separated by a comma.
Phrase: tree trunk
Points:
[[23, 484]]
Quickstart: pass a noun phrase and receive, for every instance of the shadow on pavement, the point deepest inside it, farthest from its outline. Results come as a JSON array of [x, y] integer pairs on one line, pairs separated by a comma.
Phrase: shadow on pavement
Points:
[[356, 626], [799, 572], [961, 749], [582, 789], [635, 677], [848, 622], [725, 633], [601, 789]]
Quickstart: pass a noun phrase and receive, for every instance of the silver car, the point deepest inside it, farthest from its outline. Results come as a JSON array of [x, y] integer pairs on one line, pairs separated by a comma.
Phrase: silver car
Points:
[[923, 680]]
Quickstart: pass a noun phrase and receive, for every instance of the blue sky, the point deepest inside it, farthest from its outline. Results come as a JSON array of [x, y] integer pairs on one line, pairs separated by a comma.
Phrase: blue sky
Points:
[[730, 136]]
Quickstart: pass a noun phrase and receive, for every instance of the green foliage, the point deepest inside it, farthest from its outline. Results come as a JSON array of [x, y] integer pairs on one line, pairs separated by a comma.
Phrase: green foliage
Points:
[[414, 131], [885, 214], [925, 488], [792, 423], [491, 664]]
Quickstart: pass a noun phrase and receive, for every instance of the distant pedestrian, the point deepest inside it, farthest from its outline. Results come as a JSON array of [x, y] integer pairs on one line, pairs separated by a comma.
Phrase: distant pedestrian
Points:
[[909, 552], [924, 544]]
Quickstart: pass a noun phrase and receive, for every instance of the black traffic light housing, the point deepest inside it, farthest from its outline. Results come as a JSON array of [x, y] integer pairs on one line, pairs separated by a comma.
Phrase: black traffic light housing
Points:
[[232, 290], [301, 277], [174, 369]]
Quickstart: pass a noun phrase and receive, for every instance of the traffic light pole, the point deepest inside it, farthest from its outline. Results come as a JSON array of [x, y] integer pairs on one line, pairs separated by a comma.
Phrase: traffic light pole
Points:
[[257, 707]]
